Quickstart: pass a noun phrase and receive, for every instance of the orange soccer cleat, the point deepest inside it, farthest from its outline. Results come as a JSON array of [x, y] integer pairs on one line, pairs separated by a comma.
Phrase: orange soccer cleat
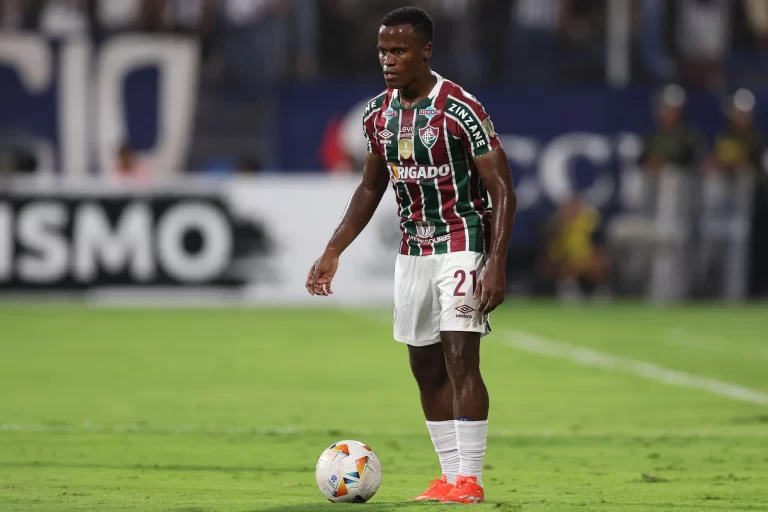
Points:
[[466, 490], [438, 489]]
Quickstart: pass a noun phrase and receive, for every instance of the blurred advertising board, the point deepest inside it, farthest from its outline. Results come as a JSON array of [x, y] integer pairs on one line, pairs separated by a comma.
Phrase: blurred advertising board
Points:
[[78, 101], [252, 239]]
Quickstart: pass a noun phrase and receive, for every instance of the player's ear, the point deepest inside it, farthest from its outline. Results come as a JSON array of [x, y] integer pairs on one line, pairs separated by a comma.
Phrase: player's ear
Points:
[[427, 51]]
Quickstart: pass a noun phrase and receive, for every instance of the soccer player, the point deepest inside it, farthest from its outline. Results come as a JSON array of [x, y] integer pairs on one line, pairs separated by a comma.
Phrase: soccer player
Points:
[[436, 145]]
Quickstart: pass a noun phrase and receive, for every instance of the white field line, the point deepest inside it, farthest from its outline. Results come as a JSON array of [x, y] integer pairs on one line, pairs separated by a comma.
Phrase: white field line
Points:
[[589, 357], [685, 338], [593, 358], [88, 427]]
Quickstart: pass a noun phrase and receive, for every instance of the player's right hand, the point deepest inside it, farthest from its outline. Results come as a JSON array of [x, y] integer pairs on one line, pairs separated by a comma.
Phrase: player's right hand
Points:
[[321, 274]]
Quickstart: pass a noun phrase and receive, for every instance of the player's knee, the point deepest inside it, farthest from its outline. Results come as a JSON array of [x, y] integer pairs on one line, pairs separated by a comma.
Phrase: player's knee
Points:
[[431, 379], [462, 366], [429, 374]]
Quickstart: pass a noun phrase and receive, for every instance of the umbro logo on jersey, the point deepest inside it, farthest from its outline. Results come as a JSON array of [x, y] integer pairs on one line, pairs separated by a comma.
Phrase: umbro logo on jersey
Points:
[[385, 134]]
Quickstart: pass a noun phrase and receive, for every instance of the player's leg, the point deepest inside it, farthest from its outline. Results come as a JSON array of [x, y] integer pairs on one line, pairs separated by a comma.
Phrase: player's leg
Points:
[[462, 356], [470, 405], [461, 328], [417, 324], [429, 369]]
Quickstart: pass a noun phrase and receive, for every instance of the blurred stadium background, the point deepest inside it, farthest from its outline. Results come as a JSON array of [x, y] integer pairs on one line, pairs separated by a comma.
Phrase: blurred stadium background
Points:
[[198, 153]]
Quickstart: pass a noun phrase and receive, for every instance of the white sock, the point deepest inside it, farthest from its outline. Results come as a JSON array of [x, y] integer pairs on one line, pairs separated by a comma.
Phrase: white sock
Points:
[[471, 440], [443, 434]]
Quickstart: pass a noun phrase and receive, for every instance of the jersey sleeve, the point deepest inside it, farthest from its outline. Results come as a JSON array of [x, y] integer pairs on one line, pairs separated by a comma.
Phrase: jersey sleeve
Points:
[[370, 115], [472, 124], [369, 129]]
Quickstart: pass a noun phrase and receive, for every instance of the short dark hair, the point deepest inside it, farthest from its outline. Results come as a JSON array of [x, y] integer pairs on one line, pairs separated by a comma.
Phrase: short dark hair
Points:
[[414, 16]]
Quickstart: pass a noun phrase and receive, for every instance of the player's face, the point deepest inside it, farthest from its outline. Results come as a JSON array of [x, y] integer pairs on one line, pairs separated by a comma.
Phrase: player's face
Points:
[[402, 54]]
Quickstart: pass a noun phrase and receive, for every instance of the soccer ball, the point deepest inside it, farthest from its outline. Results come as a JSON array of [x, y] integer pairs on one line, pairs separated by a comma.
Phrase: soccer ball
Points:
[[348, 472]]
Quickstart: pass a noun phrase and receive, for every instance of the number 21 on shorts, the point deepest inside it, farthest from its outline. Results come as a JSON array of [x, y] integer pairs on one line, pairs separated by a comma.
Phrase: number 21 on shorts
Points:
[[462, 277]]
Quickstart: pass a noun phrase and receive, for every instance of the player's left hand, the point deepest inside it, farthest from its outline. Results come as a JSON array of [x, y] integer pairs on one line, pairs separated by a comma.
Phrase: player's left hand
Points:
[[490, 287]]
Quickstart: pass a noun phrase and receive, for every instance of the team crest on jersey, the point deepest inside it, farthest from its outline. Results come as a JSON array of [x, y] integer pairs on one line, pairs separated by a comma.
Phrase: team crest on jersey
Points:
[[429, 113], [390, 113], [488, 127], [424, 229], [405, 146], [429, 135]]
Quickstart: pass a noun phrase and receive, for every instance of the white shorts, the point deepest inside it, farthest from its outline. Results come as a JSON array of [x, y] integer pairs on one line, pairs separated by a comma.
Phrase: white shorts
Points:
[[434, 293]]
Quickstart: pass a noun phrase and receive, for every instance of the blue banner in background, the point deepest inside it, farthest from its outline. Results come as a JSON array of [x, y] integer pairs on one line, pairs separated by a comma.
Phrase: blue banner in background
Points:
[[559, 141], [538, 113]]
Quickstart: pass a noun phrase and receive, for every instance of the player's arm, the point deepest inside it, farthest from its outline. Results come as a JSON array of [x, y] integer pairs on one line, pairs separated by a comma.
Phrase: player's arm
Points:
[[358, 213], [494, 170]]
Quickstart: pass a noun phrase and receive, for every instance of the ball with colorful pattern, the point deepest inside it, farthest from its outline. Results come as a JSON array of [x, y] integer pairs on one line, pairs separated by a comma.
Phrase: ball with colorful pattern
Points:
[[348, 472]]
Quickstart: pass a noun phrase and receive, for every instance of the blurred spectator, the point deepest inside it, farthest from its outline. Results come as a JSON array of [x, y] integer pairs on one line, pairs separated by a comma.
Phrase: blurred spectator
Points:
[[195, 18], [248, 165], [11, 14], [740, 150], [344, 146], [702, 40], [556, 39], [349, 34], [493, 22], [65, 18], [727, 203], [113, 17], [129, 167], [253, 36], [455, 37], [20, 14], [657, 63], [534, 52], [307, 35], [583, 41], [574, 256], [152, 16], [331, 153], [673, 142], [18, 153], [188, 16], [741, 146], [228, 167], [757, 17]]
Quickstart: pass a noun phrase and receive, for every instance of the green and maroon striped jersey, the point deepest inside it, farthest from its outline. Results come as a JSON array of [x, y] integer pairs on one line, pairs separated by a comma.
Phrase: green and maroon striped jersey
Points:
[[429, 150]]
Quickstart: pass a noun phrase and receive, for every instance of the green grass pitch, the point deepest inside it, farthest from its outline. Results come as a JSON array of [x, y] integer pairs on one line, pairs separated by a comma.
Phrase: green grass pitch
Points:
[[645, 409]]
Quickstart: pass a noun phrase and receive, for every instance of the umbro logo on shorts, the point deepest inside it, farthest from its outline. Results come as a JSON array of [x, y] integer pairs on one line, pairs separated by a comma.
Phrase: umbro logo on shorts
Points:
[[465, 311]]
